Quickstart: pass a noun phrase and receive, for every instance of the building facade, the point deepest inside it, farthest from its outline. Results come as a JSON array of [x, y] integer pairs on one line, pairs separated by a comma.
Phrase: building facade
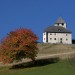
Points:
[[57, 33]]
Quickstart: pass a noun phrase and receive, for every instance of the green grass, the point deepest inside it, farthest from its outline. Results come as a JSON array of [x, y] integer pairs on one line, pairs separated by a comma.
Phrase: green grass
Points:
[[62, 67]]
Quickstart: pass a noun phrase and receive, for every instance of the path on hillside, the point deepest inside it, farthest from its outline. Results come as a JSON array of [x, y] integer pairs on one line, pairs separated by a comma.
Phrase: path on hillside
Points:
[[42, 56]]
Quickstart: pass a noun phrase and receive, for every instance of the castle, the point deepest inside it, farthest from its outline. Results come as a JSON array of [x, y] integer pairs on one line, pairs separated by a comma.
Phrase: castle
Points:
[[58, 33]]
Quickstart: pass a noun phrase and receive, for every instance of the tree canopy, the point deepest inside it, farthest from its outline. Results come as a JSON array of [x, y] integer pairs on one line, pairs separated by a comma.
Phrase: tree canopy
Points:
[[18, 44]]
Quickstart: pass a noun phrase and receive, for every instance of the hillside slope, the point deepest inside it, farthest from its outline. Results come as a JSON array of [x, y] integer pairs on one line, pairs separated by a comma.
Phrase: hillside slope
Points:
[[55, 48]]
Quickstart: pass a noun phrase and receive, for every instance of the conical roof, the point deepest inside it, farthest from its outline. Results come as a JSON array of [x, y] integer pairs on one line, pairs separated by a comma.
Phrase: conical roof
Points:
[[60, 20]]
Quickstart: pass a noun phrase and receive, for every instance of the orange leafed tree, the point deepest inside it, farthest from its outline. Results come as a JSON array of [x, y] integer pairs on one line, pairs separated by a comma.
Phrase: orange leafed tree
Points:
[[18, 44]]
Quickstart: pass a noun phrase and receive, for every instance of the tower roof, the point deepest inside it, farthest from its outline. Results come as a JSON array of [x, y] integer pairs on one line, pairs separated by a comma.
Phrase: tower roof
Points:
[[60, 20]]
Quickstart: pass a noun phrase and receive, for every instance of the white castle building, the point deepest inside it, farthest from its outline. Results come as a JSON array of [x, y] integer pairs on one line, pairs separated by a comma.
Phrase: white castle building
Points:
[[57, 33]]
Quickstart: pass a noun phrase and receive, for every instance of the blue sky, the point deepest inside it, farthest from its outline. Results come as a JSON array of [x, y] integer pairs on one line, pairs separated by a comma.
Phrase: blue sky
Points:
[[35, 15]]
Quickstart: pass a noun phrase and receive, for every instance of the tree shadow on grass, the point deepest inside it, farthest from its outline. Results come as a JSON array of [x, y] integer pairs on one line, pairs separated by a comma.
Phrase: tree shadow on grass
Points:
[[36, 63]]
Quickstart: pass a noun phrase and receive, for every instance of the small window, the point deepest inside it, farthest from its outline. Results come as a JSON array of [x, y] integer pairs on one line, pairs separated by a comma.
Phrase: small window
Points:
[[50, 38], [44, 33], [58, 24], [60, 38], [66, 39], [54, 38], [62, 24], [66, 34], [59, 30], [44, 38]]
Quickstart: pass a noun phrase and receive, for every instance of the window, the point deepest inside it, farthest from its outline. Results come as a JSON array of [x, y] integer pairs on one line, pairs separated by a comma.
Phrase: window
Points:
[[62, 24], [60, 38], [66, 34], [44, 38], [66, 39], [59, 30], [44, 33], [54, 38], [50, 38], [58, 24]]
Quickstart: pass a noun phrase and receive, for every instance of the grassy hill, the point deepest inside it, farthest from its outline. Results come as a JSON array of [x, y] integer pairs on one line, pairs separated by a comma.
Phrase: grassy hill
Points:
[[55, 48], [45, 66], [47, 50]]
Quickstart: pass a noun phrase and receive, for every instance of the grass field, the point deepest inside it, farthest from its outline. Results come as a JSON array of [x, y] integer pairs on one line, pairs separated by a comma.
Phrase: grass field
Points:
[[45, 66], [58, 68]]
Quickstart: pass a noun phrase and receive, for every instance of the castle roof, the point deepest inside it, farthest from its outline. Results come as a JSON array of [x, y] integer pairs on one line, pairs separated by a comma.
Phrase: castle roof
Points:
[[60, 20], [56, 29]]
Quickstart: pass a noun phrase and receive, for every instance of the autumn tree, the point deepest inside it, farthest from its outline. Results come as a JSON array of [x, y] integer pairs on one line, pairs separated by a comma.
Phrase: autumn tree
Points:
[[18, 44]]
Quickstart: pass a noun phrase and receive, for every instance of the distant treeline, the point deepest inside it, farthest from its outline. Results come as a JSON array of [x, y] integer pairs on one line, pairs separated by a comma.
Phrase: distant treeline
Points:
[[73, 41]]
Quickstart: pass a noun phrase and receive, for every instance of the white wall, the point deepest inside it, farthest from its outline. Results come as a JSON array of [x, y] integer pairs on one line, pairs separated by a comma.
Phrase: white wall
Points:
[[44, 37], [66, 38], [61, 25]]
